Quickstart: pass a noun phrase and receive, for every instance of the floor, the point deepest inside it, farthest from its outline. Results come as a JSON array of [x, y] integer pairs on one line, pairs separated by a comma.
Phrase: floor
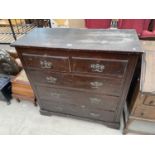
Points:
[[24, 119]]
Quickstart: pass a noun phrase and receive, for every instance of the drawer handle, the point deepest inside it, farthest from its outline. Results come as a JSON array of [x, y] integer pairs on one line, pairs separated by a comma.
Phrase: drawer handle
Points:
[[96, 84], [51, 79], [97, 67], [94, 114], [95, 100], [46, 64], [152, 103]]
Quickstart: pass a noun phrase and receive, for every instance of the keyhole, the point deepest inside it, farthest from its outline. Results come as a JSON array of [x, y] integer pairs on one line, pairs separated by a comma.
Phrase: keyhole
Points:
[[142, 114], [151, 103]]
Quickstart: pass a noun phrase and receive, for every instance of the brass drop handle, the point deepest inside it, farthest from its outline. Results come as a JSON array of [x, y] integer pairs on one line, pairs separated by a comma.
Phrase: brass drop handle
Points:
[[96, 84], [97, 67], [46, 64], [51, 79]]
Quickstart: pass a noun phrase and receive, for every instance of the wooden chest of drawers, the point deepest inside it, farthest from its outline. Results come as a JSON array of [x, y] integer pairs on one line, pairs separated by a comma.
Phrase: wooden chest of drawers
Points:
[[144, 106], [80, 72]]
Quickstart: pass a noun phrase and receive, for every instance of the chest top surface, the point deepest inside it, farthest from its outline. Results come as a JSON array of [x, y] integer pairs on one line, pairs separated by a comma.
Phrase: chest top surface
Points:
[[85, 39]]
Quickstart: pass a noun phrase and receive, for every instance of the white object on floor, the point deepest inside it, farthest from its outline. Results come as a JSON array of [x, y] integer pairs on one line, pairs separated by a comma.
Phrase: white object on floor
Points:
[[24, 119]]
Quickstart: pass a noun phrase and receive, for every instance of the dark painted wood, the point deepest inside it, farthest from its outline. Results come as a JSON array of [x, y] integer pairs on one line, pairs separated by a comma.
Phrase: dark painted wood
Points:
[[111, 67], [87, 39], [103, 85], [78, 98], [46, 62], [128, 78], [109, 124], [83, 73], [102, 115]]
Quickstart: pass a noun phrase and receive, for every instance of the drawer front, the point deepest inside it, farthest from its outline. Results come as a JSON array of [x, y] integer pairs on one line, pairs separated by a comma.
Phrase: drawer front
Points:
[[146, 113], [150, 101], [53, 63], [78, 98], [109, 86], [76, 111], [111, 67]]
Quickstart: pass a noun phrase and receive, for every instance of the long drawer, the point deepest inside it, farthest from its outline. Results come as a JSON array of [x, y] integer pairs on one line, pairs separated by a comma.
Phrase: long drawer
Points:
[[80, 99], [111, 86], [53, 63], [76, 111], [146, 113], [111, 67]]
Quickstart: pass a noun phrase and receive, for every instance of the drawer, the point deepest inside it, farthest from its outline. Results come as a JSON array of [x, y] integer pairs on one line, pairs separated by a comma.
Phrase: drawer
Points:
[[102, 85], [78, 98], [146, 113], [111, 67], [24, 91], [53, 63], [76, 111], [150, 101]]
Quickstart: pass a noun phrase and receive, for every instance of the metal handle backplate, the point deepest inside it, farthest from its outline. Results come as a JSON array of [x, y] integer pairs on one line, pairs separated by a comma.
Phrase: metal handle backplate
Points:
[[97, 67], [46, 64]]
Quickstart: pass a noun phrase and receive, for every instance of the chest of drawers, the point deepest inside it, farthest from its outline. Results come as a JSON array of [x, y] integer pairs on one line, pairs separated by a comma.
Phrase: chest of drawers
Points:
[[79, 72]]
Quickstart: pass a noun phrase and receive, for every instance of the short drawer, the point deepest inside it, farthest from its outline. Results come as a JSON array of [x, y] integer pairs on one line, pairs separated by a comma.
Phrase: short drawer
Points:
[[150, 101], [53, 63], [146, 113], [76, 111], [111, 67], [20, 89], [80, 99], [102, 85]]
